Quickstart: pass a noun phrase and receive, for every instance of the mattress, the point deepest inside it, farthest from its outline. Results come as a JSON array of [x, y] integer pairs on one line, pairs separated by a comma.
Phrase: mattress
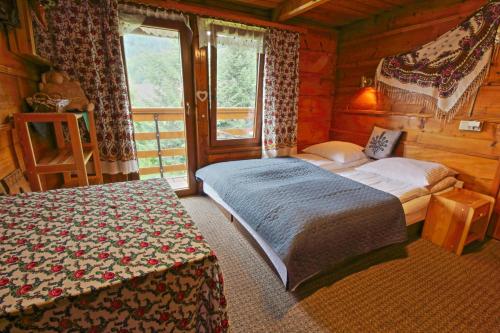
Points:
[[416, 209]]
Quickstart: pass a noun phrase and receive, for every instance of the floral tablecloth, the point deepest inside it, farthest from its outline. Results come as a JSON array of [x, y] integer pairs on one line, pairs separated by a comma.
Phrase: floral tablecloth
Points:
[[124, 257]]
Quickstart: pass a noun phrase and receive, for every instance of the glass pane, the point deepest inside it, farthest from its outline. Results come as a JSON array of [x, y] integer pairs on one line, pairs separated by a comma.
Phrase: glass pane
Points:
[[154, 71], [236, 92]]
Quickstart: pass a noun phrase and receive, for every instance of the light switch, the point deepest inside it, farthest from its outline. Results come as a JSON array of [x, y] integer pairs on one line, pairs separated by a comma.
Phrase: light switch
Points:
[[471, 125]]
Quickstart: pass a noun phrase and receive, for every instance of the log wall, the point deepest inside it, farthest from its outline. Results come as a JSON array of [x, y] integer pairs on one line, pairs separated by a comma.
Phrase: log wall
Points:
[[317, 73], [362, 45], [17, 80]]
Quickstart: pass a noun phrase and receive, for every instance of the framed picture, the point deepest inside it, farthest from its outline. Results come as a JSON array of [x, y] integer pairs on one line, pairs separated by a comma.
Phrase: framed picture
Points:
[[8, 13]]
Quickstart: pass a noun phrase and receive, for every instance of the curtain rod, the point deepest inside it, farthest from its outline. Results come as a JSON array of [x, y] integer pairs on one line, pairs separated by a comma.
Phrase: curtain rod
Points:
[[222, 14]]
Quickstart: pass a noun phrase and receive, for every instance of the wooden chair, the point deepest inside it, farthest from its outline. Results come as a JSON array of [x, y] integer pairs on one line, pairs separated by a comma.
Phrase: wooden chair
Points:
[[69, 158]]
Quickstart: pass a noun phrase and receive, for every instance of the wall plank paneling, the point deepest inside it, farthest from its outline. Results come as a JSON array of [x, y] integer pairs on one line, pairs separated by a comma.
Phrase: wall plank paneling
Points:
[[360, 48], [18, 79], [317, 68]]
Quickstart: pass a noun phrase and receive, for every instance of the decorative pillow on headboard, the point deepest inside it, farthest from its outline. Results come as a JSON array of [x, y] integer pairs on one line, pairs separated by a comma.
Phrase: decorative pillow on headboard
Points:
[[382, 142]]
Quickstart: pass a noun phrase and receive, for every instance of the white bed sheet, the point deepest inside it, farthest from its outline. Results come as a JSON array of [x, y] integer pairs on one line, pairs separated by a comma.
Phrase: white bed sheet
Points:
[[414, 199], [404, 191], [330, 165]]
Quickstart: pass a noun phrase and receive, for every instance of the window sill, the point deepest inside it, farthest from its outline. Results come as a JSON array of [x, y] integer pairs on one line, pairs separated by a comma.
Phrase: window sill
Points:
[[234, 149]]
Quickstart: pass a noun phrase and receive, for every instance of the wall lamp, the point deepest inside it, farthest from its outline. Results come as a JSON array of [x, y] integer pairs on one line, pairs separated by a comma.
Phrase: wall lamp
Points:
[[366, 82]]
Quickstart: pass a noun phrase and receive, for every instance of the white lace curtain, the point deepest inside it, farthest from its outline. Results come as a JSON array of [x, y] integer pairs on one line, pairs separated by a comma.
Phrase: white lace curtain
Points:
[[216, 32], [133, 16]]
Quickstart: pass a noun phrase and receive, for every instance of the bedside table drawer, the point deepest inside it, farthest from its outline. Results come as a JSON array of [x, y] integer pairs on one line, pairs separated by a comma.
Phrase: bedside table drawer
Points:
[[481, 212]]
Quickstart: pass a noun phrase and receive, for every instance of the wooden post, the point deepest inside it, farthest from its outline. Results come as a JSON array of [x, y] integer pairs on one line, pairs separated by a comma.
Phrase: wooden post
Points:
[[76, 147]]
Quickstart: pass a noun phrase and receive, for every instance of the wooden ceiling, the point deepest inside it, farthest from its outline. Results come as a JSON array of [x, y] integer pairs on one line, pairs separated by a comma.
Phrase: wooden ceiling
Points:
[[325, 13]]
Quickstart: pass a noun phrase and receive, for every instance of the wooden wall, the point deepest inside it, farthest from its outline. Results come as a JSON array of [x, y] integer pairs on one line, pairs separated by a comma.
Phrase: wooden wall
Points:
[[317, 73], [360, 48], [18, 79]]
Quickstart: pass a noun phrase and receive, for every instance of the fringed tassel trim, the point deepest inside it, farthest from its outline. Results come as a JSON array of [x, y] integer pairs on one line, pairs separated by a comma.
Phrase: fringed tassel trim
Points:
[[430, 103]]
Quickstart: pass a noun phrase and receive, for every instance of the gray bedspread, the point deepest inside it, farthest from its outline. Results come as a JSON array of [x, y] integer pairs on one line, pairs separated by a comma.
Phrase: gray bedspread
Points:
[[310, 217]]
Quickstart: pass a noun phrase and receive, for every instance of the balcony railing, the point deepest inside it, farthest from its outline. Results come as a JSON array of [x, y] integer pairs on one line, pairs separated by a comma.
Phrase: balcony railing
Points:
[[155, 120]]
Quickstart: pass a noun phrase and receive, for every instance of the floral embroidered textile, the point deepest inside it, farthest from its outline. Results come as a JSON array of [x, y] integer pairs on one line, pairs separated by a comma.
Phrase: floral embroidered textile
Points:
[[281, 96], [124, 256], [82, 39], [378, 143], [444, 75]]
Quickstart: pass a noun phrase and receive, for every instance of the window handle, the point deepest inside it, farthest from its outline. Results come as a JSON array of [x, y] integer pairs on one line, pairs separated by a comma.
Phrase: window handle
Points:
[[188, 109]]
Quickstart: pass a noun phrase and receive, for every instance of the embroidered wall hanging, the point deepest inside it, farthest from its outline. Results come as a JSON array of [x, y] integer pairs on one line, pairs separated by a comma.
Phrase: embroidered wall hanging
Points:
[[444, 75]]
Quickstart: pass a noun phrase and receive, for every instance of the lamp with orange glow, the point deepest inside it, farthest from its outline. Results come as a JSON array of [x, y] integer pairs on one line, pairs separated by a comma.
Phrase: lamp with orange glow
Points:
[[365, 98]]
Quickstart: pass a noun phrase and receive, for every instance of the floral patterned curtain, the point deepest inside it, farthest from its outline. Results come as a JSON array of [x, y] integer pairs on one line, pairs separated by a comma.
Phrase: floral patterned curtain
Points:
[[281, 97], [82, 39]]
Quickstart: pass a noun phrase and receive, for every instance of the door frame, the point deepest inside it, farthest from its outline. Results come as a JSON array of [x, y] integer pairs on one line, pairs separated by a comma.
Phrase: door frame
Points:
[[188, 86]]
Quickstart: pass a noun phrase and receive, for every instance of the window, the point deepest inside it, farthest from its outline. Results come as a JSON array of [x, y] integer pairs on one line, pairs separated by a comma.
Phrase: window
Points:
[[236, 63]]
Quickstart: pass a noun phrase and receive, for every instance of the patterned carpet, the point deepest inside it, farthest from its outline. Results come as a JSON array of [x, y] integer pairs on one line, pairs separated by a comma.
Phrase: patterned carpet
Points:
[[416, 288]]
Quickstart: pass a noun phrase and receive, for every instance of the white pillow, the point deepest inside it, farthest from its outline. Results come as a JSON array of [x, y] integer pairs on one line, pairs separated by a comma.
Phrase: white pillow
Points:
[[419, 173], [340, 151]]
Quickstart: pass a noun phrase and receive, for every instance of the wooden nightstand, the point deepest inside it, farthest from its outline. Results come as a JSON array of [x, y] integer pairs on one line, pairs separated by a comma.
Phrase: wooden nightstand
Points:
[[457, 218]]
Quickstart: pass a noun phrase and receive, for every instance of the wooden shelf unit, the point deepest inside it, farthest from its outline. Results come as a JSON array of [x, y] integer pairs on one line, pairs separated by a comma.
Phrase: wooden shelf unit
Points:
[[69, 159], [457, 218]]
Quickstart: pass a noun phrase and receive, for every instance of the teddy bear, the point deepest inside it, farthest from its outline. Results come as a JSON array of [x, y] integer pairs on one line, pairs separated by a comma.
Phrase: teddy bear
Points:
[[58, 84]]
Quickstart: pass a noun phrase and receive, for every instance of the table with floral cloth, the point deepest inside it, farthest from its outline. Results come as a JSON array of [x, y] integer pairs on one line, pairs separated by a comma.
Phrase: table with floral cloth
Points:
[[121, 257]]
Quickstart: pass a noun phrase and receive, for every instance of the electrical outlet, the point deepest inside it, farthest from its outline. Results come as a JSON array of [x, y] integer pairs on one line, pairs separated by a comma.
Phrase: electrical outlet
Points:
[[470, 125]]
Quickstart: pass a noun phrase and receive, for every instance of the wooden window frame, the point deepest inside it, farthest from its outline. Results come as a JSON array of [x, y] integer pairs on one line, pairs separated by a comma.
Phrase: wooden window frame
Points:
[[250, 142], [187, 63]]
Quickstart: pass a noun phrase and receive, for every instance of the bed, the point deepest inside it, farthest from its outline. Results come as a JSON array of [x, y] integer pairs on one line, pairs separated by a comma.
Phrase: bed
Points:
[[291, 205], [372, 216], [105, 258]]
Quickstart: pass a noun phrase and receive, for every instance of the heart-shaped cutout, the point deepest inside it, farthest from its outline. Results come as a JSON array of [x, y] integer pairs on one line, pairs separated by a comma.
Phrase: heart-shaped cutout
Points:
[[202, 95]]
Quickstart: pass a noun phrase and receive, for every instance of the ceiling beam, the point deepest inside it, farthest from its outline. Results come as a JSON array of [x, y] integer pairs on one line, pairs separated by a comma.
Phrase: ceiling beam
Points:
[[292, 8], [222, 14]]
